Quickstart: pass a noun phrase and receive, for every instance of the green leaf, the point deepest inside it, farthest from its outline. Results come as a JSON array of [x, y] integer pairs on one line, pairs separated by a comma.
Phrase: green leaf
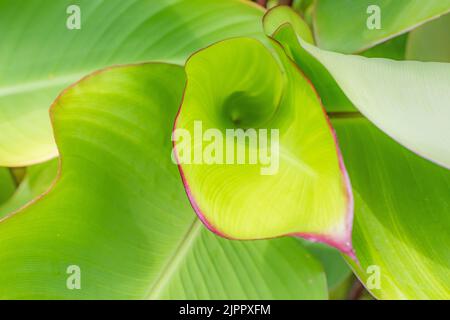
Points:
[[336, 269], [40, 56], [7, 185], [37, 180], [430, 41], [284, 14], [391, 49], [238, 87], [302, 5], [402, 214], [119, 211], [342, 25]]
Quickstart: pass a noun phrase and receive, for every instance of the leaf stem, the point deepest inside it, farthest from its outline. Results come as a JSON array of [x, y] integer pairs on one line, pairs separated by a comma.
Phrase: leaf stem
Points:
[[14, 177], [285, 2], [356, 291], [262, 3]]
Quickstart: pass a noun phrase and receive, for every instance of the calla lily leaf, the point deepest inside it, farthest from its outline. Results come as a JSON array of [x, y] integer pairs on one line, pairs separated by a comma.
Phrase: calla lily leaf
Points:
[[406, 99], [402, 215], [290, 179], [117, 222], [43, 51], [349, 26]]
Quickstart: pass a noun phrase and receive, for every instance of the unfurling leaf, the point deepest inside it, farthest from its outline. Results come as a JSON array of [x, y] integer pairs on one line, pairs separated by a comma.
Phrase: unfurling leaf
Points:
[[291, 179]]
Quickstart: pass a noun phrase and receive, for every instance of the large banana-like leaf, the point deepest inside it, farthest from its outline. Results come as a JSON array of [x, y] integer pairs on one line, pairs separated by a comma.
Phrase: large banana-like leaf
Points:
[[303, 189], [408, 100], [402, 215], [119, 215], [346, 25], [39, 55], [430, 42]]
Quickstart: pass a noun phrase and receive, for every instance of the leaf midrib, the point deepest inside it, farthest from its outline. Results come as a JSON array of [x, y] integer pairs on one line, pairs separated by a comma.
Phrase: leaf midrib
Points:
[[175, 260], [40, 84]]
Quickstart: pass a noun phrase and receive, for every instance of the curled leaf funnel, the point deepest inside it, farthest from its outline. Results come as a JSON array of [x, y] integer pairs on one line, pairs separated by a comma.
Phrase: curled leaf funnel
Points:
[[256, 151]]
